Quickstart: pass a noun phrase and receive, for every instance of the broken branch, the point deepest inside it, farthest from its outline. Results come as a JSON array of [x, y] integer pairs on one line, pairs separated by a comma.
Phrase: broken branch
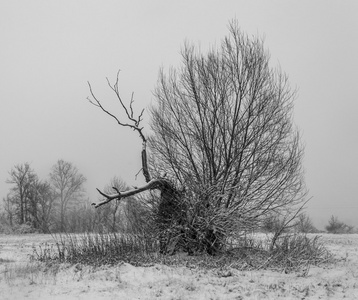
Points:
[[153, 184]]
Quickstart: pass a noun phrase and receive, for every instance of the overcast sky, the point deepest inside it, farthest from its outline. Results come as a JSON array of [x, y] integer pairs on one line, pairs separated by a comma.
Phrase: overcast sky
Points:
[[50, 49]]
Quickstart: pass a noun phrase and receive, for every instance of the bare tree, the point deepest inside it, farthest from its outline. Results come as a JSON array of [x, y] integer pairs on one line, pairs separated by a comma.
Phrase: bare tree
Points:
[[23, 178], [9, 209], [67, 184], [304, 224], [89, 217], [44, 199], [225, 140]]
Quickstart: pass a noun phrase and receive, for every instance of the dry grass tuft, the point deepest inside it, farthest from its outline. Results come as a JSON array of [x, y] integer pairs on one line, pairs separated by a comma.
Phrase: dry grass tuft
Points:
[[290, 253]]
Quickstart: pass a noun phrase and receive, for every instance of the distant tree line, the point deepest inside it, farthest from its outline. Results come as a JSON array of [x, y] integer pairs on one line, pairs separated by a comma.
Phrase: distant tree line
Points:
[[59, 203], [339, 227], [304, 224]]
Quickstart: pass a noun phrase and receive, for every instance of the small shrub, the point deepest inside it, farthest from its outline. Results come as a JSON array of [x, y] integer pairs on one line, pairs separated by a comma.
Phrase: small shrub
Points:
[[98, 248], [5, 229], [338, 227], [304, 224], [30, 271], [294, 251], [18, 229]]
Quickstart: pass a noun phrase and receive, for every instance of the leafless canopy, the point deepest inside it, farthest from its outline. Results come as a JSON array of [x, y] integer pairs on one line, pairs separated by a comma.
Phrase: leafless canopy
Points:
[[67, 185], [223, 122], [223, 134]]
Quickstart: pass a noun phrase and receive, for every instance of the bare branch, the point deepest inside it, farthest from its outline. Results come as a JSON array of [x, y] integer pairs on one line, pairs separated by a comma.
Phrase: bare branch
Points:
[[153, 184], [117, 190], [98, 104], [133, 122], [131, 105], [115, 88]]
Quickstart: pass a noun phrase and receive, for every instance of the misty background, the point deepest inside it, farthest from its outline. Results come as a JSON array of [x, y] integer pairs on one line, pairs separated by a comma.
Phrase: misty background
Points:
[[50, 49]]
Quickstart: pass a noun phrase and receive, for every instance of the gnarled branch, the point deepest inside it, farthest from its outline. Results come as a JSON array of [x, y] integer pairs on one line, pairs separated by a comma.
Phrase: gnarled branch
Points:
[[134, 123], [153, 184]]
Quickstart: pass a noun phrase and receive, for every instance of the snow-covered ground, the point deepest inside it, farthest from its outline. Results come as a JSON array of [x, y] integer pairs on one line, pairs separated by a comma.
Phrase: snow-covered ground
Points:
[[21, 279]]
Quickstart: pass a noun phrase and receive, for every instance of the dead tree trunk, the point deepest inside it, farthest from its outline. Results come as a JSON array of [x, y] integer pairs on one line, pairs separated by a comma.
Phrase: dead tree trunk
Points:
[[171, 213]]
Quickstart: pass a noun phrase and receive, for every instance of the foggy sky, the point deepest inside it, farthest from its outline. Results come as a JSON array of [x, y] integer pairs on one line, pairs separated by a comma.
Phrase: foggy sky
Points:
[[50, 49]]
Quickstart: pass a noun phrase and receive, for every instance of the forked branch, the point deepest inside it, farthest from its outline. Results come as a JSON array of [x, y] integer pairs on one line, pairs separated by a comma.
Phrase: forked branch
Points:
[[133, 122]]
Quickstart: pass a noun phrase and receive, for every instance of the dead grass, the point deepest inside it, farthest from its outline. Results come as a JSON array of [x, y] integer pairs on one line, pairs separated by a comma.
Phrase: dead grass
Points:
[[182, 276], [291, 253], [30, 271]]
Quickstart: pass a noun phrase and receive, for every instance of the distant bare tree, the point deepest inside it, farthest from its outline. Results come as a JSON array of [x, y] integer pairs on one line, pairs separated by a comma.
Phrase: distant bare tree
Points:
[[9, 210], [336, 226], [224, 153], [67, 184], [89, 218], [304, 224], [44, 199], [112, 212], [23, 179], [139, 215]]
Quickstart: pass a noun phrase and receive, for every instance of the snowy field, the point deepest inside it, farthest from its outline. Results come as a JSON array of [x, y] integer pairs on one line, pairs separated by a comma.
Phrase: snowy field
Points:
[[22, 279]]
